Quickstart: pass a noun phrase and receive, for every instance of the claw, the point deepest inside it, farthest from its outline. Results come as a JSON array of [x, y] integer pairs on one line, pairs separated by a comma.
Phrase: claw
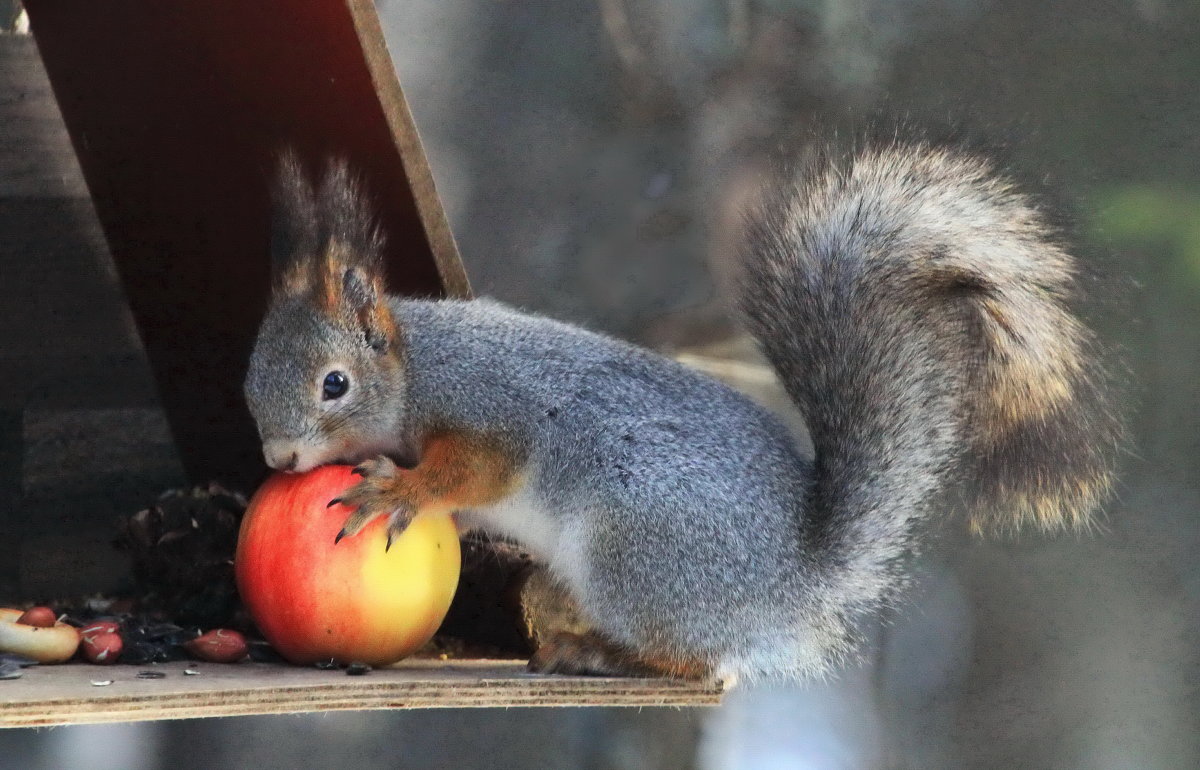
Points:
[[341, 533], [397, 523], [334, 502], [388, 546], [381, 466]]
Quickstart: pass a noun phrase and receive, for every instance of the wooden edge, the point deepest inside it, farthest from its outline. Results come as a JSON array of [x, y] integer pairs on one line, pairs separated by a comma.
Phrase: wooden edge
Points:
[[416, 165], [64, 695], [729, 369]]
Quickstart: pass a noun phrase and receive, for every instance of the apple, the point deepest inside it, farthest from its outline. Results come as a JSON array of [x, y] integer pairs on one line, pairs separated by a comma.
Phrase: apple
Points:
[[315, 599]]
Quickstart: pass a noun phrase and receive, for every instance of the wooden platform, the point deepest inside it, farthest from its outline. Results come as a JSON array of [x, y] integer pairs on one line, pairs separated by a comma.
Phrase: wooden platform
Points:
[[63, 695]]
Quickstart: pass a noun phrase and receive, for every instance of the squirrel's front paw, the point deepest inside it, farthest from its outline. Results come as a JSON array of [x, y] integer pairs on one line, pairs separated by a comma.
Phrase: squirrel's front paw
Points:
[[381, 491]]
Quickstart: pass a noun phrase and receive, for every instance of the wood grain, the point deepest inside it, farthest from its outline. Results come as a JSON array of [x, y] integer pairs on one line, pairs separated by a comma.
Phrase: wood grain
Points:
[[416, 166], [62, 695], [36, 160]]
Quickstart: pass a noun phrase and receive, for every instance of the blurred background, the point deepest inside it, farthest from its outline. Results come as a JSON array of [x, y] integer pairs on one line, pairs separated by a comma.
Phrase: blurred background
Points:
[[594, 157]]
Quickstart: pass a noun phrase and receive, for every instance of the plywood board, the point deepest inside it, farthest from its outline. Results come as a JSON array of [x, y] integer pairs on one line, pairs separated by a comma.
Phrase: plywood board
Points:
[[60, 695]]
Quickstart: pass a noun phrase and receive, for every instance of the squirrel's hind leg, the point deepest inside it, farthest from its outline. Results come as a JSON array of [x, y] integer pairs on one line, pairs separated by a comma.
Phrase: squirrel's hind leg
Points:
[[590, 654], [566, 640]]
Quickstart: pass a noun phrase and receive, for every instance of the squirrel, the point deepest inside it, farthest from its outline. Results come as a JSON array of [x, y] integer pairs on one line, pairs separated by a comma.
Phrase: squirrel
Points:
[[915, 304]]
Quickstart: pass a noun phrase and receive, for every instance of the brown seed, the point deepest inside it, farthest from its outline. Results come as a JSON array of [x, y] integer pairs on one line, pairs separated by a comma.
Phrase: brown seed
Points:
[[99, 627], [102, 648], [42, 617], [219, 646]]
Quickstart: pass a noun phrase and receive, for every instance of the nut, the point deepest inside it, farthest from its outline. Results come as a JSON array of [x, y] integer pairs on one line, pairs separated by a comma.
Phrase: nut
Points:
[[55, 643], [42, 617], [99, 627], [219, 646], [102, 647]]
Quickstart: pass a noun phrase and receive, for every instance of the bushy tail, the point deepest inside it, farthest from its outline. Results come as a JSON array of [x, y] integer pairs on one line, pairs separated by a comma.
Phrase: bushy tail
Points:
[[916, 307]]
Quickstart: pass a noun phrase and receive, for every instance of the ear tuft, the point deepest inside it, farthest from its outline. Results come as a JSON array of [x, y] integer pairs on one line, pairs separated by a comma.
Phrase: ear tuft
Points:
[[294, 232], [346, 224], [325, 245]]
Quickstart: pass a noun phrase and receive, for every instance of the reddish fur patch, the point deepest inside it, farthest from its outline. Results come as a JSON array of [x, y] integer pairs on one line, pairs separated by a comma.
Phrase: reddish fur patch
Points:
[[592, 654], [462, 471], [457, 471]]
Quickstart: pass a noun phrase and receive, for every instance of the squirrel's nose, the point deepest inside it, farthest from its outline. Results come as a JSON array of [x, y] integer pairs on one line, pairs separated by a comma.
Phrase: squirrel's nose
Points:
[[280, 456]]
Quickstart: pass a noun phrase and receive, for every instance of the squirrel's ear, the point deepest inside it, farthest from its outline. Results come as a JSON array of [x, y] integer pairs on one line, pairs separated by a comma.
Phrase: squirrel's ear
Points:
[[363, 294], [346, 228], [294, 227], [327, 249], [352, 248]]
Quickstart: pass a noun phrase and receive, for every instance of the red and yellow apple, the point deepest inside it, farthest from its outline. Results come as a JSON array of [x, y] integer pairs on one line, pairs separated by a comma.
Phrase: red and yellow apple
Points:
[[350, 601]]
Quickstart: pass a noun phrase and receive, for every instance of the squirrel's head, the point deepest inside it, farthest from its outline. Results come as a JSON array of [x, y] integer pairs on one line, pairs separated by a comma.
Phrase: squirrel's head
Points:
[[326, 379]]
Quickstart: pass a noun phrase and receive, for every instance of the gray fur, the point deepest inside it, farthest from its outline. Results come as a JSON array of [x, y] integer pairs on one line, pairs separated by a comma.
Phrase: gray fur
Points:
[[676, 501], [296, 347], [911, 302]]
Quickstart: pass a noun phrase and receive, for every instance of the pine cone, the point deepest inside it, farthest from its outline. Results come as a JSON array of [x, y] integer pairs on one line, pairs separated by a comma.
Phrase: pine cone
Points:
[[182, 550]]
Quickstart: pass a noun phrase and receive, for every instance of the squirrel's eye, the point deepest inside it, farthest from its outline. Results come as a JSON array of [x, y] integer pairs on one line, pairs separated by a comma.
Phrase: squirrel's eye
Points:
[[335, 385]]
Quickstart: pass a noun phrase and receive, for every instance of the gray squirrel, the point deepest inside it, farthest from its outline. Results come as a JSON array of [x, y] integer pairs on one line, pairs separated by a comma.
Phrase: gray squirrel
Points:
[[915, 305]]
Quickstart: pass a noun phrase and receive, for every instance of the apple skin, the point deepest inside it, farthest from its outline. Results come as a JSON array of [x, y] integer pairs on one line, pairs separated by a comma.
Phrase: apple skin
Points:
[[353, 601]]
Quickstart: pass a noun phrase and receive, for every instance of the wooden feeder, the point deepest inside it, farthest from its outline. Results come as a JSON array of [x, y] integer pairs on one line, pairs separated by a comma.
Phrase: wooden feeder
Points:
[[177, 112]]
